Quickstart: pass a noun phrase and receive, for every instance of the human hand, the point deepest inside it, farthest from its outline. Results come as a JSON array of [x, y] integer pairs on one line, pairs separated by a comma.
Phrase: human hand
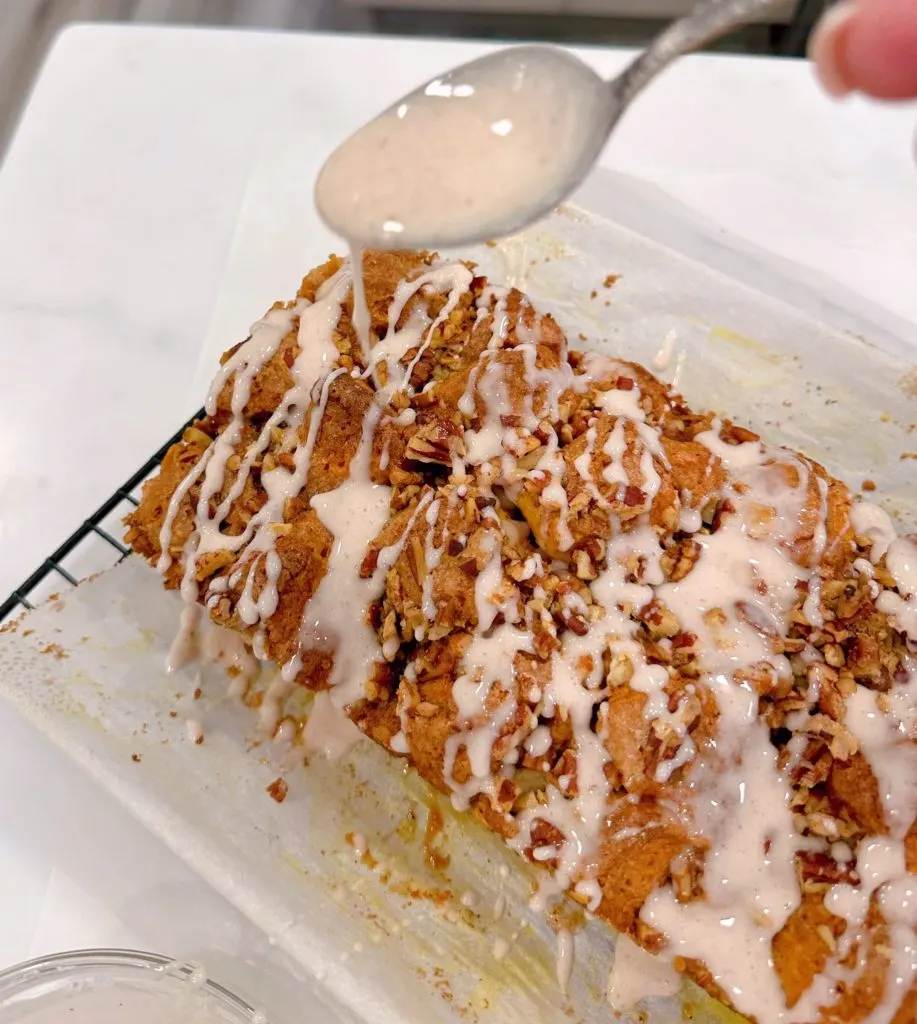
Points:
[[868, 46]]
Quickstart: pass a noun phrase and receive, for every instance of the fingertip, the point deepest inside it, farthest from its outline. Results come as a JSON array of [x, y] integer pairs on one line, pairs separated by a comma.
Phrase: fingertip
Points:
[[879, 52], [827, 46], [867, 46]]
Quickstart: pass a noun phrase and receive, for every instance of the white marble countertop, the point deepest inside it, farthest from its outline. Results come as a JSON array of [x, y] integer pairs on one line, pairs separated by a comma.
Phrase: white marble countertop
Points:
[[118, 201]]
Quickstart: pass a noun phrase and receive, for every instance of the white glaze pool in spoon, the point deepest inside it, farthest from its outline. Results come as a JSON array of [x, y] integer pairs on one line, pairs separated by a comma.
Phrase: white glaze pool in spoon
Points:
[[495, 144]]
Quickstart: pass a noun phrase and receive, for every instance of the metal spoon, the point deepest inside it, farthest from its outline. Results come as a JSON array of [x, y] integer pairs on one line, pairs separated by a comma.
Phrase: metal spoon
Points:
[[496, 143]]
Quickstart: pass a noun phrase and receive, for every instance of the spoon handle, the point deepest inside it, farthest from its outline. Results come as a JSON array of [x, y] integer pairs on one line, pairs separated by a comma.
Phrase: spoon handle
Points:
[[710, 20]]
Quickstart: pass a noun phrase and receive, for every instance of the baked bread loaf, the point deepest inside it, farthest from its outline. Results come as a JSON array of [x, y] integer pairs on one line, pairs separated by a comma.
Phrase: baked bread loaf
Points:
[[666, 661]]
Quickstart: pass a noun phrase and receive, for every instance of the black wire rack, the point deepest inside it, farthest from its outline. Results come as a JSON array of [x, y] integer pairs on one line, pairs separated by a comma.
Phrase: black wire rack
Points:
[[92, 547]]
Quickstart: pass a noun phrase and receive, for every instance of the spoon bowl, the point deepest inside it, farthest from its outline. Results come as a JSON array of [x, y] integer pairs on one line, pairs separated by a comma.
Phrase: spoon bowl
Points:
[[495, 144], [499, 141]]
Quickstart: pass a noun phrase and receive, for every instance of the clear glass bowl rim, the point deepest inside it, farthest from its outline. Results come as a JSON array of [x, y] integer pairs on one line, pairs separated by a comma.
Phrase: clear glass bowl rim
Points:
[[21, 977]]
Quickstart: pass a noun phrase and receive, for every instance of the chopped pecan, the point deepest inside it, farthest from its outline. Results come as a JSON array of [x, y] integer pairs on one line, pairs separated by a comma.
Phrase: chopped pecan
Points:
[[633, 496], [812, 866], [677, 561], [865, 662], [438, 441], [732, 434], [585, 570], [659, 621]]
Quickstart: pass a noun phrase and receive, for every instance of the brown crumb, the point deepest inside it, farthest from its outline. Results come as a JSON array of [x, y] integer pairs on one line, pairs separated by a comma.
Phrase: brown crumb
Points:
[[437, 860], [593, 294], [583, 337], [869, 485], [173, 714], [197, 694], [611, 280], [135, 758], [907, 455], [908, 383], [278, 790], [56, 650], [491, 244]]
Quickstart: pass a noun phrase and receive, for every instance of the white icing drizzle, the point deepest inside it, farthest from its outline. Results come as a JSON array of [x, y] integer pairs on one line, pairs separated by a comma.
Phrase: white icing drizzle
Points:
[[903, 613], [499, 326], [553, 465], [265, 339], [207, 536], [432, 555], [901, 608], [589, 890], [881, 867], [487, 662], [666, 350], [273, 703], [618, 402], [736, 597], [538, 742], [354, 513], [689, 520], [488, 581], [583, 466], [576, 686], [455, 278], [742, 806], [184, 648], [361, 317], [194, 729], [565, 952], [226, 649], [328, 730], [735, 457], [200, 640], [491, 438], [875, 524], [901, 560], [721, 599], [887, 737], [637, 975]]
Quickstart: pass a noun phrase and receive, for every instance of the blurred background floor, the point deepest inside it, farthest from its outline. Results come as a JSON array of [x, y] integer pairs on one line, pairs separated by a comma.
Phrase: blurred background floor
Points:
[[27, 27]]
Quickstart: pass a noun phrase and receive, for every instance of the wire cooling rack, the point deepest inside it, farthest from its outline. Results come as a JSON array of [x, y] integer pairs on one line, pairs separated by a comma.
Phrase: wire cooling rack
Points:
[[91, 548]]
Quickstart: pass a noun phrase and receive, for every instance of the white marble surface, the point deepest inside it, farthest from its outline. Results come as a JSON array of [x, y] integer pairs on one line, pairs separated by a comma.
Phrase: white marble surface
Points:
[[118, 201]]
